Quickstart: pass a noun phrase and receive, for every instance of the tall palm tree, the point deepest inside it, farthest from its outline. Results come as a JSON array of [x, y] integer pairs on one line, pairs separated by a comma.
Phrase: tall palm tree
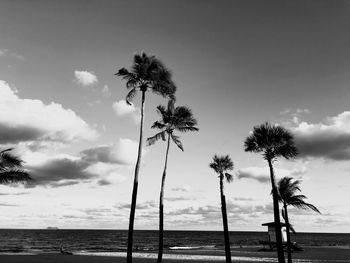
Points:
[[222, 164], [146, 74], [287, 196], [172, 119], [10, 168], [272, 142]]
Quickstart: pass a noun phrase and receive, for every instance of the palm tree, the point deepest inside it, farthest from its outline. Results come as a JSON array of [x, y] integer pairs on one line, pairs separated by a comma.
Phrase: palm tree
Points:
[[146, 74], [287, 196], [222, 164], [10, 168], [172, 119], [272, 142]]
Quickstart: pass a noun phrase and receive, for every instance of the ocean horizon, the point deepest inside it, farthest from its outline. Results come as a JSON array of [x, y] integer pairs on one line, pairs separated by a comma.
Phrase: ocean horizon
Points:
[[37, 241]]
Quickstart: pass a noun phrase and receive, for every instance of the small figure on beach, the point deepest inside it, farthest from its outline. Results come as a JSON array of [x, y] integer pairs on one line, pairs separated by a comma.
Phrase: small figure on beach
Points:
[[65, 252]]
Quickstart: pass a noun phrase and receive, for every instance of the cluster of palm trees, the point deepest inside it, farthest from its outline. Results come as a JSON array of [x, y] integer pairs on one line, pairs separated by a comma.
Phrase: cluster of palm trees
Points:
[[271, 141], [148, 73]]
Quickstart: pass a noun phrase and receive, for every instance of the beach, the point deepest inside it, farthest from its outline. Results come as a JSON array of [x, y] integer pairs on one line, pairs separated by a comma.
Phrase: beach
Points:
[[248, 254]]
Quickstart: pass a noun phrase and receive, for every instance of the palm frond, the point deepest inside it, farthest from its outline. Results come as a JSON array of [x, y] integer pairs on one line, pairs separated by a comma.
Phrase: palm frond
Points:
[[158, 125], [303, 205], [171, 120], [131, 94], [153, 139], [122, 72], [187, 129], [271, 141], [14, 176], [161, 110], [287, 194], [177, 141], [148, 73], [229, 177], [220, 164], [9, 160]]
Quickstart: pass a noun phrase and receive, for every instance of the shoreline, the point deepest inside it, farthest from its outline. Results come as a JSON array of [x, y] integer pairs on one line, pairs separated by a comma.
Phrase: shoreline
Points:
[[248, 254]]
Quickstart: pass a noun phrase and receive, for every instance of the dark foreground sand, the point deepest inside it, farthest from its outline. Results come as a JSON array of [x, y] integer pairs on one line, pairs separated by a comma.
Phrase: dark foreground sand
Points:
[[246, 255]]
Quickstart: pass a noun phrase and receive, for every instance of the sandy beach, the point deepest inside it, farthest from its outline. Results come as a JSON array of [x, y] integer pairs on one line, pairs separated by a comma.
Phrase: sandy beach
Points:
[[249, 255]]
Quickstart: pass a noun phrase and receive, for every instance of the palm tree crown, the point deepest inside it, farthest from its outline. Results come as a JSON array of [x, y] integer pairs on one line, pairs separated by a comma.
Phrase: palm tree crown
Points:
[[147, 73], [173, 119], [287, 194], [221, 164], [272, 141], [10, 168]]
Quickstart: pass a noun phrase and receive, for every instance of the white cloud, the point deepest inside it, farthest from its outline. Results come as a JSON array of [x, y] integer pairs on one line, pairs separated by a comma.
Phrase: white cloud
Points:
[[121, 108], [107, 172], [85, 78], [32, 120], [262, 174], [182, 188], [99, 165], [106, 91], [328, 140], [5, 52], [122, 152], [93, 103]]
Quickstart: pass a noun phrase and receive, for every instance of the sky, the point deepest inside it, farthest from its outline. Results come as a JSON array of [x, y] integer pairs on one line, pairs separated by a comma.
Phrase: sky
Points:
[[236, 64]]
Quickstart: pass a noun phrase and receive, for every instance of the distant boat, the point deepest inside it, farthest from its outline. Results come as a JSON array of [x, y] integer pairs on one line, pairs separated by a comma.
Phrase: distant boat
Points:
[[52, 228]]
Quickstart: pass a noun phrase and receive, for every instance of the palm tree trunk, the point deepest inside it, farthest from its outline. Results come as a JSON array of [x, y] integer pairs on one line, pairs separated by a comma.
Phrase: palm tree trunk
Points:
[[161, 212], [288, 234], [276, 210], [136, 182], [224, 221]]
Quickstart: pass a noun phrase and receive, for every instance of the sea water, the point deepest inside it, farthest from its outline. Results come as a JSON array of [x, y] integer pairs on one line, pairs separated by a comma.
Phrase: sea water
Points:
[[35, 241]]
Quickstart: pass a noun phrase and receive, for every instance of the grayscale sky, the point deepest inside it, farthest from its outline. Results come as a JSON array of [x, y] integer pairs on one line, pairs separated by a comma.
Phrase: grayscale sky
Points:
[[236, 64]]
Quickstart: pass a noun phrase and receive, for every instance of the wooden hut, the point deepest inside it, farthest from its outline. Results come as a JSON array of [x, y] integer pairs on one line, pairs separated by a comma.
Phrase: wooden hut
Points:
[[271, 232]]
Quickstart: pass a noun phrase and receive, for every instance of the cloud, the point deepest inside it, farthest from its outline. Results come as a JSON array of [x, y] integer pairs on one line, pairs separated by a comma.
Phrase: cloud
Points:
[[100, 164], [108, 171], [7, 53], [95, 102], [179, 198], [295, 115], [5, 204], [121, 108], [85, 78], [17, 193], [328, 140], [147, 205], [210, 214], [122, 152], [106, 91], [182, 188], [60, 171], [31, 120], [262, 174], [3, 52], [246, 199]]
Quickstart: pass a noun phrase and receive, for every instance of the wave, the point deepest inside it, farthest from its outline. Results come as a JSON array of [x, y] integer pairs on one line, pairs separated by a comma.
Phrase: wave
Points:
[[191, 247], [178, 256]]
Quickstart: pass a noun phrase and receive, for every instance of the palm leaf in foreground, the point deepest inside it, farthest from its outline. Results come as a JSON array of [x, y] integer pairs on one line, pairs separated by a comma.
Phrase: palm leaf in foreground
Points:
[[10, 168]]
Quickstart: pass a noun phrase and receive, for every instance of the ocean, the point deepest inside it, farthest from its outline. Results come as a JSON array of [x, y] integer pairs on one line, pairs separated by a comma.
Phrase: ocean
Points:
[[35, 241]]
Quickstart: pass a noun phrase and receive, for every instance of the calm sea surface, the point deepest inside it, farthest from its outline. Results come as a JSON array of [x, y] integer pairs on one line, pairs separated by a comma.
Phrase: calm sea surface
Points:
[[43, 241]]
